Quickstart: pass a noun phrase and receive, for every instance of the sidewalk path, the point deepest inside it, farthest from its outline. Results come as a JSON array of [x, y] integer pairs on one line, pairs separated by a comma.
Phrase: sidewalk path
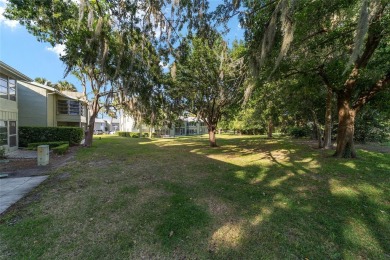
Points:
[[13, 189]]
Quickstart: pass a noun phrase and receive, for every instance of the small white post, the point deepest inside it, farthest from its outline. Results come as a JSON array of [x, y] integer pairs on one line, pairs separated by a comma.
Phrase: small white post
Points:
[[43, 155]]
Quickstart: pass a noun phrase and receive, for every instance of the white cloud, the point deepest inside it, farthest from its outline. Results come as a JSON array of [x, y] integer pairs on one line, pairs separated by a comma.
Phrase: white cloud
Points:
[[163, 66], [9, 23], [58, 49]]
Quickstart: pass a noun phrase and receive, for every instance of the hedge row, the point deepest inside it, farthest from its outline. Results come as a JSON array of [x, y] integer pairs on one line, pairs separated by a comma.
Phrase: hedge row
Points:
[[33, 146], [62, 149], [134, 134], [128, 134], [33, 134]]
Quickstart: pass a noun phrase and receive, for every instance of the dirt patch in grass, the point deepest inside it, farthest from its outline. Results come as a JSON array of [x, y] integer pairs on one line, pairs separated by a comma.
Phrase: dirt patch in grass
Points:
[[217, 207], [100, 163]]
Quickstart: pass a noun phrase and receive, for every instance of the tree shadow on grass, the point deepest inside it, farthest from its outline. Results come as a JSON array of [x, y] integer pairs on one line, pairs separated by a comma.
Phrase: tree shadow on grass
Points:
[[300, 205], [250, 198]]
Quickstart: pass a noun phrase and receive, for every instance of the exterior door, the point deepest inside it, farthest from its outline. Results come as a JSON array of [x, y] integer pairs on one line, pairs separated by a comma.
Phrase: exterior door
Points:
[[12, 134]]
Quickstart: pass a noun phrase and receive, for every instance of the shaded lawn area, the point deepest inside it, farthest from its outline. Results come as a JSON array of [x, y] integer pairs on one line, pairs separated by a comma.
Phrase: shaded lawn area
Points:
[[250, 198]]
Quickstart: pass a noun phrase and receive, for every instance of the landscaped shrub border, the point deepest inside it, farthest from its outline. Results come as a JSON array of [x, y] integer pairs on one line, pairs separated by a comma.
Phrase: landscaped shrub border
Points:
[[62, 149], [132, 134], [33, 146], [34, 134]]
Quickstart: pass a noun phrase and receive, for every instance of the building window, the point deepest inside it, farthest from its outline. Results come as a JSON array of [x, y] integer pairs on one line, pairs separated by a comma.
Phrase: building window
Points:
[[3, 132], [3, 87], [7, 88], [69, 107], [62, 107], [82, 109], [192, 131], [12, 89], [74, 108], [12, 133]]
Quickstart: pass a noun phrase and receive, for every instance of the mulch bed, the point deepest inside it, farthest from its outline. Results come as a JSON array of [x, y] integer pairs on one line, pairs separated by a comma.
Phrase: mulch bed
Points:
[[29, 167]]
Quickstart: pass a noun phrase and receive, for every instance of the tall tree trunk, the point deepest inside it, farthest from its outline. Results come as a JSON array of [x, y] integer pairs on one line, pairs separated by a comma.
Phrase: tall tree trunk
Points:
[[152, 118], [212, 140], [346, 128], [91, 122], [317, 129], [328, 120], [270, 128]]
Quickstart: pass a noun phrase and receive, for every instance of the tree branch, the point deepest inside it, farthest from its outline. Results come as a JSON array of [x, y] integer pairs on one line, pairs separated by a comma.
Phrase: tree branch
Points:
[[374, 37], [325, 78], [375, 88]]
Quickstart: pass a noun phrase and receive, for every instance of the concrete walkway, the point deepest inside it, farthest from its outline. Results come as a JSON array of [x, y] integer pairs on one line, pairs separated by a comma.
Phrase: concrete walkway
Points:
[[13, 189]]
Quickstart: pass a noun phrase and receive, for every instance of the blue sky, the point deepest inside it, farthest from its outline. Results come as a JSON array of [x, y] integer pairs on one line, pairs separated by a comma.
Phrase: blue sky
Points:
[[22, 51]]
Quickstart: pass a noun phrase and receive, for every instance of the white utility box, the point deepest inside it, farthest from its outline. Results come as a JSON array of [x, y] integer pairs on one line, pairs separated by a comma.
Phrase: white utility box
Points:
[[43, 154]]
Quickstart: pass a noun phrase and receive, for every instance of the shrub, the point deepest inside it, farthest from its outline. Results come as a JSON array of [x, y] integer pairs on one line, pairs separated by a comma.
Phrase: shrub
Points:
[[33, 146], [127, 134], [123, 134], [369, 128], [134, 135], [2, 153], [61, 149], [33, 134], [298, 132]]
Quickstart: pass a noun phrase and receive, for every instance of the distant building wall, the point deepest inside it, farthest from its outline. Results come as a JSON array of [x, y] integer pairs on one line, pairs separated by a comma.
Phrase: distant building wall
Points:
[[51, 110], [32, 105], [9, 98]]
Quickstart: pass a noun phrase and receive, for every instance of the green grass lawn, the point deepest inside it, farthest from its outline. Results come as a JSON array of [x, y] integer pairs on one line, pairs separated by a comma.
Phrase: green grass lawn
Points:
[[250, 198]]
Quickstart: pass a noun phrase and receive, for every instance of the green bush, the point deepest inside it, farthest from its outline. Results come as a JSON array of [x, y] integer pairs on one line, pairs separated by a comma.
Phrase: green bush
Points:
[[61, 149], [370, 127], [2, 153], [123, 134], [134, 135], [33, 146], [299, 132], [33, 134]]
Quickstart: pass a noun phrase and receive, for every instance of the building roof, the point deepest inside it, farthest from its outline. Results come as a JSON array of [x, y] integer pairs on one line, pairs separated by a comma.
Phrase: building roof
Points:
[[8, 70], [190, 119], [107, 119], [74, 94], [66, 94], [100, 120]]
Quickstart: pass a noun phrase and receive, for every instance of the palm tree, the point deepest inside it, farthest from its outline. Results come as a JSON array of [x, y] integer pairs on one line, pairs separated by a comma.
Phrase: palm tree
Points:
[[43, 81], [65, 86]]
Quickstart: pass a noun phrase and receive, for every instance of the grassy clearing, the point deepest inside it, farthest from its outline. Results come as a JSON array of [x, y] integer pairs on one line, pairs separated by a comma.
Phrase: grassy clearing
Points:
[[250, 198]]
